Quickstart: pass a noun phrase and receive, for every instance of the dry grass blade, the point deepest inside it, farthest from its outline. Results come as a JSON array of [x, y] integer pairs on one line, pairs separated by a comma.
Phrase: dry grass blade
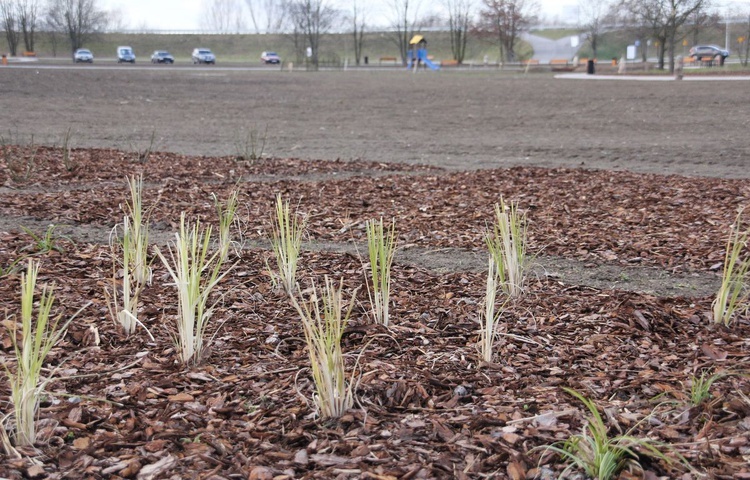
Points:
[[324, 329], [507, 245], [227, 213]]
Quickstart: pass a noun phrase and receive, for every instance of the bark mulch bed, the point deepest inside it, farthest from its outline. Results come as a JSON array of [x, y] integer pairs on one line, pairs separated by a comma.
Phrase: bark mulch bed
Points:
[[123, 407]]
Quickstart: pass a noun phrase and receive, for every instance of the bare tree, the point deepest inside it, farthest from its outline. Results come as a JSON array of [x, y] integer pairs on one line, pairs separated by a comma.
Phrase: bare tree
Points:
[[10, 24], [502, 21], [665, 20], [593, 14], [311, 19], [743, 41], [223, 16], [404, 24], [359, 23], [459, 22], [267, 16], [78, 20]]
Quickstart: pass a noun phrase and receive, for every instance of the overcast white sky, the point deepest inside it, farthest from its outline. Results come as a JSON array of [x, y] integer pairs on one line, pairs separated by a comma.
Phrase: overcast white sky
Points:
[[186, 14]]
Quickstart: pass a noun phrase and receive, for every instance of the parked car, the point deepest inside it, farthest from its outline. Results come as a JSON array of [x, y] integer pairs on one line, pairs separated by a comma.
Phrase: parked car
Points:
[[83, 55], [203, 55], [270, 58], [162, 56], [125, 54], [701, 51]]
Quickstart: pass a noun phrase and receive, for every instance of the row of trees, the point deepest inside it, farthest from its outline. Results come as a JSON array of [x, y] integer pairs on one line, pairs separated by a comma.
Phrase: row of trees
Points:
[[77, 20]]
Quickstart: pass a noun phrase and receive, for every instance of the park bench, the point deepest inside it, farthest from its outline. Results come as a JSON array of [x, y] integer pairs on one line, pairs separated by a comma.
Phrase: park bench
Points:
[[559, 62], [28, 54], [388, 59], [707, 61], [449, 63], [530, 62]]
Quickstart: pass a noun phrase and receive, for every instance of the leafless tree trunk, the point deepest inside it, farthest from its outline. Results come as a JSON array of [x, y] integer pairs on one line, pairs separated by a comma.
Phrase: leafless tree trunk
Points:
[[78, 20], [10, 24], [503, 21], [665, 19], [459, 21], [404, 24], [359, 23], [223, 16], [311, 19], [593, 14], [267, 16]]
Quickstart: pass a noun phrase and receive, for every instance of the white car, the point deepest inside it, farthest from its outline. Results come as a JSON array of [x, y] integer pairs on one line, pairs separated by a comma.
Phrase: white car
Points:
[[203, 55], [83, 55]]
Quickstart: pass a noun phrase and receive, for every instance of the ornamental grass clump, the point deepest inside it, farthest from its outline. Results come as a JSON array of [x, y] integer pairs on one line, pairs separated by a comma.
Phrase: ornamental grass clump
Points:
[[130, 260], [37, 337], [381, 245], [507, 245], [603, 457], [324, 327], [287, 243], [195, 272], [734, 291]]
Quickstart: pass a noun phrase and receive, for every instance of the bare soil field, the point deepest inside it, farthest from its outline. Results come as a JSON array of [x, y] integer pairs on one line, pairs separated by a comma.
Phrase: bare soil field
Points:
[[629, 189]]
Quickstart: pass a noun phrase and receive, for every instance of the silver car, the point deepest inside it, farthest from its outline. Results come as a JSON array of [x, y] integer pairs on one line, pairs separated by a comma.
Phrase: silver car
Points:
[[203, 55], [83, 55]]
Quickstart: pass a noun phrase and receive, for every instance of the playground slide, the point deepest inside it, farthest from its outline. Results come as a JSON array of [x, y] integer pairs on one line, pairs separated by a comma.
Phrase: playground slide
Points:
[[429, 63]]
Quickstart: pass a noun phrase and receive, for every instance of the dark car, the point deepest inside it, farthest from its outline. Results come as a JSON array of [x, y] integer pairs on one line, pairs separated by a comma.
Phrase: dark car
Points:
[[162, 56], [270, 58], [711, 51]]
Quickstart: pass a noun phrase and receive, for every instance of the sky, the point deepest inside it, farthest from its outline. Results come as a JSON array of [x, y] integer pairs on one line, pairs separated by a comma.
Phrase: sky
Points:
[[186, 14]]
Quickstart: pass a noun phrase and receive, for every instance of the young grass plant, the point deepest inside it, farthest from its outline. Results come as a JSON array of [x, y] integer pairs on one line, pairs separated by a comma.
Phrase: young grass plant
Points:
[[36, 340], [324, 328], [381, 245], [287, 243], [67, 151], [734, 292], [489, 319], [44, 243], [600, 456], [140, 265], [700, 387], [507, 245], [227, 213], [196, 273]]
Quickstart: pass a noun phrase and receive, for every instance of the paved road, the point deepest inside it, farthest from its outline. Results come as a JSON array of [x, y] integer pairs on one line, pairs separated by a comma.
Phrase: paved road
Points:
[[546, 49]]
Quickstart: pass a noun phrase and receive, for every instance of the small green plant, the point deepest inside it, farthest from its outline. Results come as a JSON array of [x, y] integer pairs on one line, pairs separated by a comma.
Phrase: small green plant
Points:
[[287, 243], [249, 143], [733, 293], [143, 155], [44, 243], [700, 387], [36, 340], [195, 274], [507, 245], [67, 150], [323, 332], [381, 245], [227, 213], [12, 268], [600, 456]]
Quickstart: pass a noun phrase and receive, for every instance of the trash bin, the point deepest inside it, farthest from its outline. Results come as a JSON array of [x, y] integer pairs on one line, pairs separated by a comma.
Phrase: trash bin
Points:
[[367, 60], [5, 59], [590, 67]]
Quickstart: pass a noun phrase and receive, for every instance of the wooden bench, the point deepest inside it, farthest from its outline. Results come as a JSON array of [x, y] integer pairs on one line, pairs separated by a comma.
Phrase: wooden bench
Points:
[[559, 62], [529, 62], [707, 61], [388, 59], [449, 63], [28, 54]]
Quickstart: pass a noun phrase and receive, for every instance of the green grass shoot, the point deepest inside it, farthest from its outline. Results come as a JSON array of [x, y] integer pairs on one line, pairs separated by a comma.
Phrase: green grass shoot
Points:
[[287, 244], [381, 245], [507, 244], [734, 292]]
